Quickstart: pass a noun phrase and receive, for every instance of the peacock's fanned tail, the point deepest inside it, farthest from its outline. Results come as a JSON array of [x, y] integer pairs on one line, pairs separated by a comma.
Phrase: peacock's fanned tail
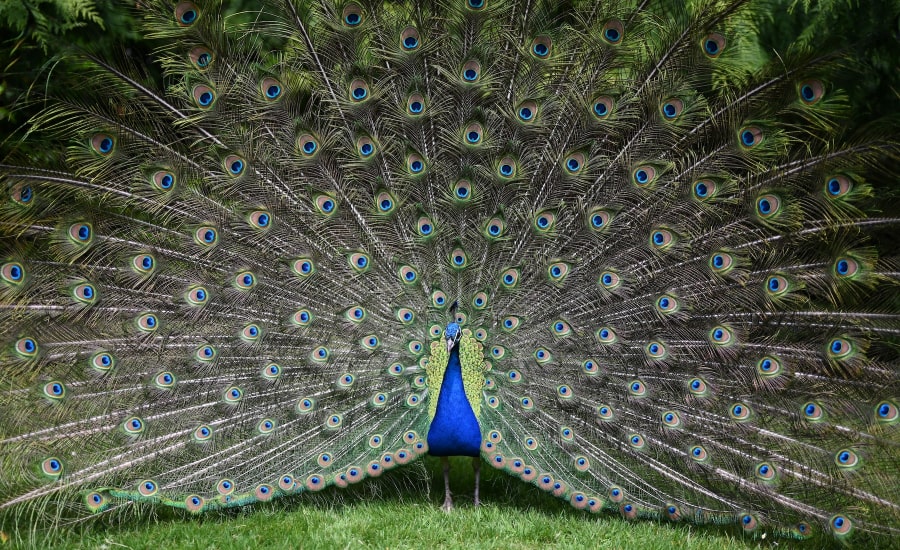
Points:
[[226, 290]]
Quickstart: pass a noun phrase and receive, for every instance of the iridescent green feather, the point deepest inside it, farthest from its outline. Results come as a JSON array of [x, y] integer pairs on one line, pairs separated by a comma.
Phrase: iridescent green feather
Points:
[[471, 356], [435, 368]]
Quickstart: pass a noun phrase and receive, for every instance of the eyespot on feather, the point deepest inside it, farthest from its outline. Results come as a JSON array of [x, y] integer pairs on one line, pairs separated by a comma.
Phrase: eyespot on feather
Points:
[[837, 186], [721, 336], [541, 47], [147, 322], [643, 176], [494, 228], [204, 96], [598, 219], [671, 419], [713, 45], [721, 262], [415, 104], [704, 189], [765, 471], [509, 279], [163, 180], [671, 109], [810, 91], [750, 136], [307, 145], [470, 72], [359, 262], [251, 333], [698, 453], [527, 112], [841, 526], [196, 296], [370, 342], [409, 39], [271, 89], [698, 387], [544, 221], [415, 164], [194, 504], [232, 395], [458, 258], [260, 219], [52, 467], [886, 412], [748, 522], [574, 163], [438, 299], [425, 227], [768, 367], [637, 388], [656, 350], [609, 280], [385, 203], [81, 233], [352, 15], [206, 236], [776, 285], [103, 361], [839, 348], [462, 191], [103, 144], [846, 267], [507, 168], [359, 91], [666, 304], [22, 194], [661, 239], [201, 58], [272, 371], [302, 317], [234, 165], [473, 134], [54, 390], [602, 107], [205, 353], [325, 205], [613, 32], [186, 14], [365, 146]]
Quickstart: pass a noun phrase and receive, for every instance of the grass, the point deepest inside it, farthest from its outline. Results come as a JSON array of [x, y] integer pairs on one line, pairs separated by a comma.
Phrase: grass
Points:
[[395, 511]]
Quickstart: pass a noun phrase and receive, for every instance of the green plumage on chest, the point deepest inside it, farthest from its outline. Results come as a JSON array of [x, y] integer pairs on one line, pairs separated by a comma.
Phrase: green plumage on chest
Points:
[[471, 355]]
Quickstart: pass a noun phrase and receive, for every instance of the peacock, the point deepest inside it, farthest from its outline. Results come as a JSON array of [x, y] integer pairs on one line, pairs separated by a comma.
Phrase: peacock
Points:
[[610, 248]]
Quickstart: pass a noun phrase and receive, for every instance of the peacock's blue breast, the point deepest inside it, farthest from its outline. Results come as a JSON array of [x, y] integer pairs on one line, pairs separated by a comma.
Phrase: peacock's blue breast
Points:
[[454, 430]]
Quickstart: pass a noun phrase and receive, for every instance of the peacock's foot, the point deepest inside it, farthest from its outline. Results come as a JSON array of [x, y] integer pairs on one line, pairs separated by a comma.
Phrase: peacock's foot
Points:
[[477, 501], [448, 505]]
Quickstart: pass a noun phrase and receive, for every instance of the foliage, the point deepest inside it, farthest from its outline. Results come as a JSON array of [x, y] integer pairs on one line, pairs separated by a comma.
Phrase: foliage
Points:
[[867, 31], [48, 20]]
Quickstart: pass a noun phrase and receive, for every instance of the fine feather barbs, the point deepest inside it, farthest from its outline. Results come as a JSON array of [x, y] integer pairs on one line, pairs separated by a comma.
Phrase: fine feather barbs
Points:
[[607, 247]]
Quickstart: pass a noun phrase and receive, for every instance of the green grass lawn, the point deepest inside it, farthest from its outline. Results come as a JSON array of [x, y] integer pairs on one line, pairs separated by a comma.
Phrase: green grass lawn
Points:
[[402, 510]]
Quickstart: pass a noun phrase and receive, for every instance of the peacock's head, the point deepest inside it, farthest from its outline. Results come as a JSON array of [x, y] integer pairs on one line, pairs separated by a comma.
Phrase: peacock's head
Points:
[[452, 334]]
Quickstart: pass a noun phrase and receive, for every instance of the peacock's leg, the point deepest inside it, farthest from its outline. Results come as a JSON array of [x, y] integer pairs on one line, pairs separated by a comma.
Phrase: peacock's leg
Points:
[[476, 465], [448, 501]]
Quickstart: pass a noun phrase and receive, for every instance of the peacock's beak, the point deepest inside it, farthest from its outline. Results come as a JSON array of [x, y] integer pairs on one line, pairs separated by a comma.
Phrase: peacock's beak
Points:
[[450, 343]]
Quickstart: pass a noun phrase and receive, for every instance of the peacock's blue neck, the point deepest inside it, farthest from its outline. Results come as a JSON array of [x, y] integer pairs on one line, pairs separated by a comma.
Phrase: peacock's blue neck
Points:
[[454, 430]]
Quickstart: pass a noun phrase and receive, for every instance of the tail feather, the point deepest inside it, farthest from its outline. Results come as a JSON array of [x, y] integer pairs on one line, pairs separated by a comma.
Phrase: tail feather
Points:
[[226, 290]]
